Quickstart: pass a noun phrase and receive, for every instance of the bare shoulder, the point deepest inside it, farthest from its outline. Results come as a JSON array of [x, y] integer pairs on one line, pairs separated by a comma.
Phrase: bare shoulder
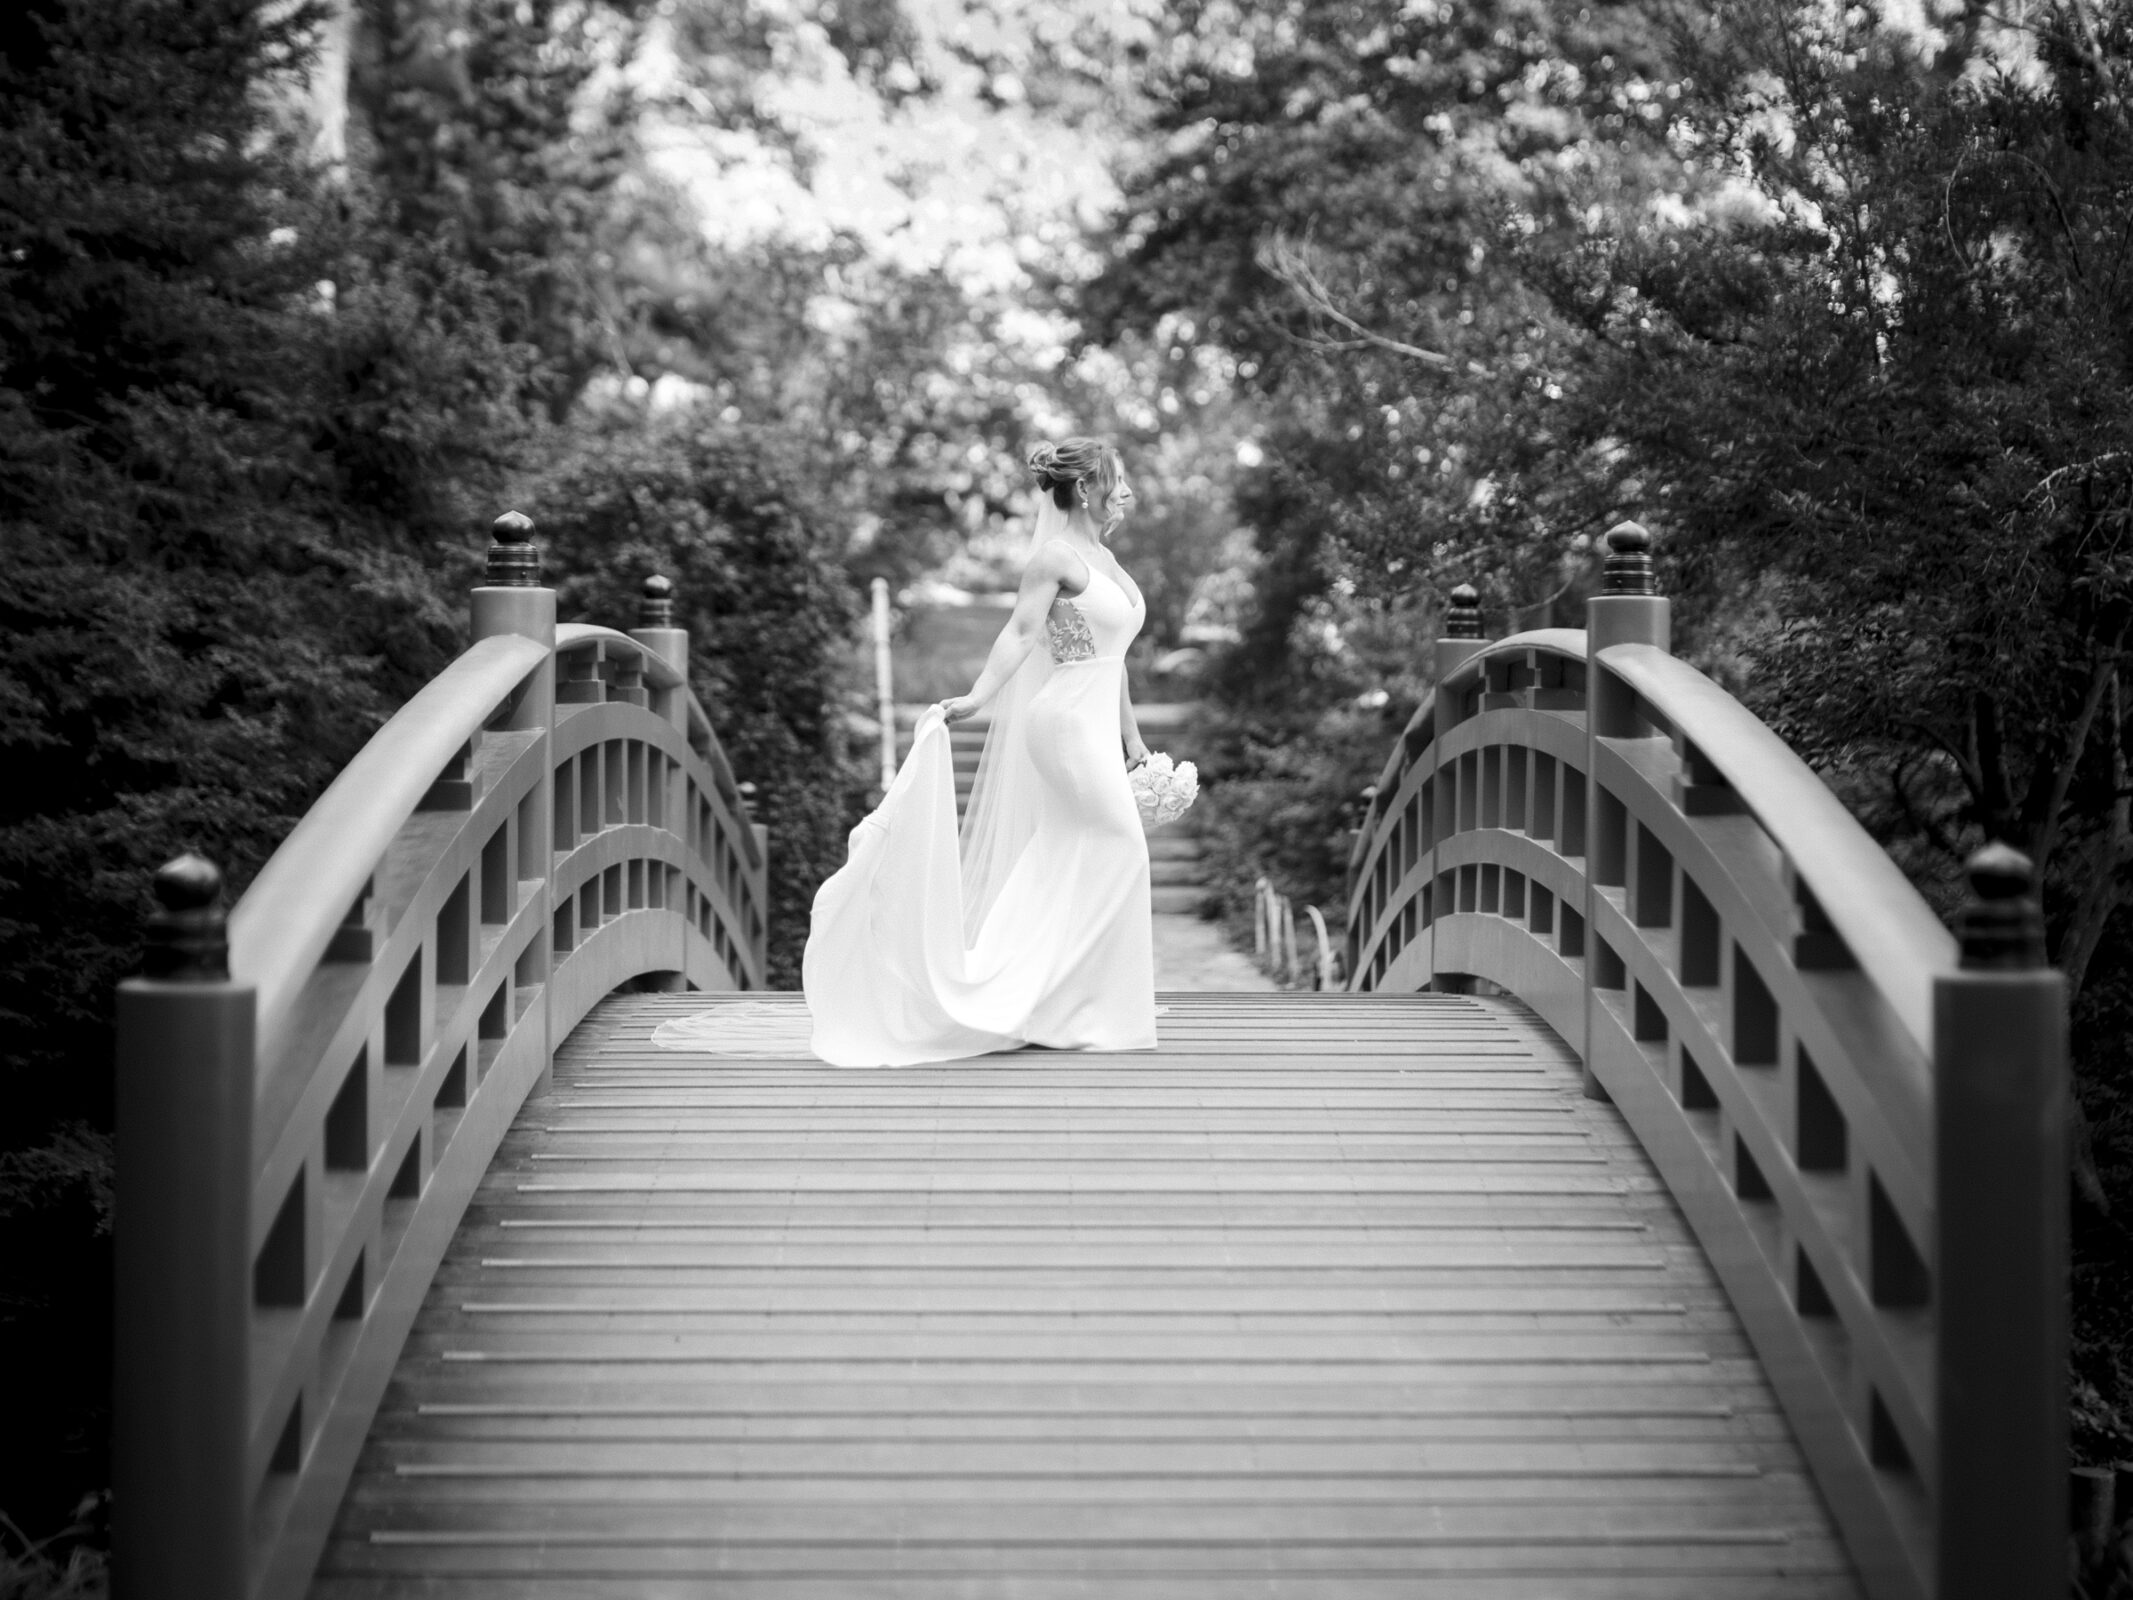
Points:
[[1054, 563]]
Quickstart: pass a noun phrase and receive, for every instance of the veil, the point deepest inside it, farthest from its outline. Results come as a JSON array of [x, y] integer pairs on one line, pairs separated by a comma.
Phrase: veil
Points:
[[1004, 795]]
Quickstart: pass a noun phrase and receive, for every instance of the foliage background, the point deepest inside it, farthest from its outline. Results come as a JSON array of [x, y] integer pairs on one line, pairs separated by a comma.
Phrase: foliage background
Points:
[[293, 299], [772, 294], [1834, 298]]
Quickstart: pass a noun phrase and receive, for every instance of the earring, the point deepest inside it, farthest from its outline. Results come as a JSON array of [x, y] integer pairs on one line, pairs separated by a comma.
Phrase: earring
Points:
[[1083, 486]]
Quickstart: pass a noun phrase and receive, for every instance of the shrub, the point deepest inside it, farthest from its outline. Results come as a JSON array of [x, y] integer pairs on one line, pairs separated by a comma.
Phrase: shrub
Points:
[[769, 612]]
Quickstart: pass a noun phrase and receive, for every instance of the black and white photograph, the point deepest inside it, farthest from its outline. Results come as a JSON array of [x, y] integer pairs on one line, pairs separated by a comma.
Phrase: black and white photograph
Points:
[[1066, 800]]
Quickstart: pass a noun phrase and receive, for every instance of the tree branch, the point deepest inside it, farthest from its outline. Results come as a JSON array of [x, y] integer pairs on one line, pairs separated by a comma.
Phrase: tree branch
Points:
[[1995, 800], [1287, 263], [2045, 819], [1930, 828], [1547, 601], [2104, 892], [1964, 766]]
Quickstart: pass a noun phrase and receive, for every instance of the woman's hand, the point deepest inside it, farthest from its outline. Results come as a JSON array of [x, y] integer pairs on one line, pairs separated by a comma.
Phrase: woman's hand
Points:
[[961, 708], [1136, 753]]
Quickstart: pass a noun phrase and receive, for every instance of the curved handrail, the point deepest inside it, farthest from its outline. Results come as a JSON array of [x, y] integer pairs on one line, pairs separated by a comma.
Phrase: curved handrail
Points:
[[1889, 930], [658, 672], [1421, 728], [498, 857], [1570, 643], [289, 915], [572, 637], [1785, 1025]]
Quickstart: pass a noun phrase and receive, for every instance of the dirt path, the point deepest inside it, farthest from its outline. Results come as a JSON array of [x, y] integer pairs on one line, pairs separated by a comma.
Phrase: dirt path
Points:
[[1192, 954]]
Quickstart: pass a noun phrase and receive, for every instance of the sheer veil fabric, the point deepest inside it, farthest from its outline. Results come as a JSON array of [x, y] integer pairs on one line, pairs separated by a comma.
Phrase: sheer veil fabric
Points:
[[1005, 795], [1031, 925]]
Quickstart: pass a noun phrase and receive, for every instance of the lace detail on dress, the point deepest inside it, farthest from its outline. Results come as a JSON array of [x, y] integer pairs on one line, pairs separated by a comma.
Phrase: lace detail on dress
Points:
[[1066, 631]]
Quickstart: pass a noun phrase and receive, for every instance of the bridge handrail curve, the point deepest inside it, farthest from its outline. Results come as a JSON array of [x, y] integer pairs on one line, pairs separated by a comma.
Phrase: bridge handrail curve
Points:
[[289, 914], [310, 1094], [572, 638], [1890, 932], [1861, 1115], [1567, 644]]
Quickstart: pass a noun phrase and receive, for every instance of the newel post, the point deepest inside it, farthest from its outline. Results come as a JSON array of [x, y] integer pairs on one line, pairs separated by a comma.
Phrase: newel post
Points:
[[655, 630], [181, 1417], [2000, 1112], [511, 599], [1629, 609], [1458, 642]]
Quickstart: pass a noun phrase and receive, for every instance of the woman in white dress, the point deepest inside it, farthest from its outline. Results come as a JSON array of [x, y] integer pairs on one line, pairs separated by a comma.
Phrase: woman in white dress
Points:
[[1033, 928]]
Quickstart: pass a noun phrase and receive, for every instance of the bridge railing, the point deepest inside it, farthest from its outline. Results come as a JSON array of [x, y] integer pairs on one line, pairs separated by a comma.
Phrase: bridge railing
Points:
[[1860, 1116], [303, 1118]]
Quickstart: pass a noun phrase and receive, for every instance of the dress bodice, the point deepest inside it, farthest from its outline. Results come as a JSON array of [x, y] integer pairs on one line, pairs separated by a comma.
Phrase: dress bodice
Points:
[[1097, 623]]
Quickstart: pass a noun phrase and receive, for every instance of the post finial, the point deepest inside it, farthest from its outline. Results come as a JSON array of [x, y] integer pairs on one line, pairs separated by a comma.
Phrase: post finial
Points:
[[2002, 929], [1629, 560], [656, 608], [188, 936], [1462, 616], [514, 559]]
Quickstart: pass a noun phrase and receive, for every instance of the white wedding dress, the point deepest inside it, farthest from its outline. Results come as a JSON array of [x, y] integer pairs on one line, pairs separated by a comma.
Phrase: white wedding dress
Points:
[[1034, 928]]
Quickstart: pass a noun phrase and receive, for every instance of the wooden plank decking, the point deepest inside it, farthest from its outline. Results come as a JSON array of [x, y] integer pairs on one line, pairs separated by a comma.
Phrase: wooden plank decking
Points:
[[1332, 1296]]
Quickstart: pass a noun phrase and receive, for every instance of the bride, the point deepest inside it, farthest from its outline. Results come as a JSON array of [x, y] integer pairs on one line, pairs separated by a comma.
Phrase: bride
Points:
[[1034, 929]]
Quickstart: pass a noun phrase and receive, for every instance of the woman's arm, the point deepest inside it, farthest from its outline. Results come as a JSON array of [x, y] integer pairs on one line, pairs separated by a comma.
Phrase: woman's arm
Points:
[[1136, 748], [1049, 569]]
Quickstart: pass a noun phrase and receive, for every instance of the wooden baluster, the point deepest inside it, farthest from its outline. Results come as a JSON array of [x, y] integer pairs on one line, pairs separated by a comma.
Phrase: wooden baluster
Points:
[[512, 600], [181, 1417], [1325, 974], [2000, 1259], [361, 931], [582, 684], [1628, 610], [457, 787], [1458, 641]]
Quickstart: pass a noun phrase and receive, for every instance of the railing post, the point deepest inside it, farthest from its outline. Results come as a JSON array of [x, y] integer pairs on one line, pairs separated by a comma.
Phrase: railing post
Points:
[[2000, 1110], [655, 630], [1458, 642], [884, 696], [181, 1501], [1629, 609], [512, 600]]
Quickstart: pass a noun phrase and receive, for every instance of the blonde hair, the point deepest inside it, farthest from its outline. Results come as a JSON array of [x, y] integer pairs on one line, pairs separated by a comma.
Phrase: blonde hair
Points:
[[1080, 468]]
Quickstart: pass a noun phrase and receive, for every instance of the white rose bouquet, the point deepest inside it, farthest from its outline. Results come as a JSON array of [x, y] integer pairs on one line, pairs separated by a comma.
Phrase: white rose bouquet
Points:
[[1163, 790]]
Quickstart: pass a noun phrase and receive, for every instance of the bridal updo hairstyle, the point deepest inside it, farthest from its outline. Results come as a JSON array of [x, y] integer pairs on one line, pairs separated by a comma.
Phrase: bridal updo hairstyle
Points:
[[1083, 470]]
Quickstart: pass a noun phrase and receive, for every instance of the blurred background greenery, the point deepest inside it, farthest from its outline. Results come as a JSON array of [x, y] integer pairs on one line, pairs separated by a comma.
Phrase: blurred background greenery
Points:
[[772, 295]]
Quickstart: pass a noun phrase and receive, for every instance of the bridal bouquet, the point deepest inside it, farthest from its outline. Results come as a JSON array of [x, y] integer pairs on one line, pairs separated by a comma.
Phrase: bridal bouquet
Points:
[[1163, 790]]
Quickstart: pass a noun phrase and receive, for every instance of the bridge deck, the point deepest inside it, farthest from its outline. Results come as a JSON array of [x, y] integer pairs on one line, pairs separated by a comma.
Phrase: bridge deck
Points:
[[1332, 1296]]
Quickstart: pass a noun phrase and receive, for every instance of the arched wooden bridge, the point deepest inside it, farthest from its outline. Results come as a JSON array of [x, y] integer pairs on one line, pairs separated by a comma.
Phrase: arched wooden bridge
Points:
[[1673, 1208]]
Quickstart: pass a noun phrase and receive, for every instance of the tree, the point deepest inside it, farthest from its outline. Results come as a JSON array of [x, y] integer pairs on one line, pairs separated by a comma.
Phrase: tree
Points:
[[501, 132], [721, 511], [1328, 195], [227, 526], [1837, 304]]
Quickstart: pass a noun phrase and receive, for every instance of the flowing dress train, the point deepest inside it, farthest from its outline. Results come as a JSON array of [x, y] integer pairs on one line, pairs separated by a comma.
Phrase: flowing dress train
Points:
[[1035, 933]]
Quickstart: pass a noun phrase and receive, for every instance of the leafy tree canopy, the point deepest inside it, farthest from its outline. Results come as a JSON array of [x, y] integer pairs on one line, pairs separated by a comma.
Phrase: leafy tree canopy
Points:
[[1834, 298]]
